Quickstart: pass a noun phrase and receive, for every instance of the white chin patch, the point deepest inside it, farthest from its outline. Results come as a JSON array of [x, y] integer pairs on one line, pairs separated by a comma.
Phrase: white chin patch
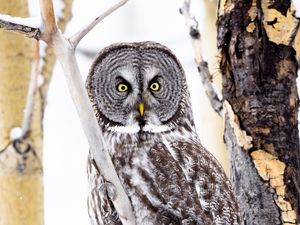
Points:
[[129, 129], [151, 128], [135, 128]]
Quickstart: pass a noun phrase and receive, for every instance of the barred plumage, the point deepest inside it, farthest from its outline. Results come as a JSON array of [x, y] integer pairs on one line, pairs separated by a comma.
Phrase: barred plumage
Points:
[[169, 177]]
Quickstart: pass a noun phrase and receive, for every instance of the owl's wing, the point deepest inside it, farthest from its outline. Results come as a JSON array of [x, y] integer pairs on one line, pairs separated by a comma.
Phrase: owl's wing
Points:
[[214, 192], [187, 184], [100, 207], [179, 183]]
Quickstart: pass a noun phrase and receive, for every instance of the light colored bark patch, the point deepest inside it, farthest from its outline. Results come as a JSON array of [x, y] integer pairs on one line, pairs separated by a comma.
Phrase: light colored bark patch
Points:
[[262, 130], [252, 14], [279, 27], [296, 45], [243, 140], [225, 7], [293, 101], [271, 170], [23, 199]]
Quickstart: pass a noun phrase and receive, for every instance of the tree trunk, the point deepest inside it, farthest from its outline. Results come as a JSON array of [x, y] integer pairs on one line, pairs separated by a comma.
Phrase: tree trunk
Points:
[[21, 170], [21, 185], [259, 68]]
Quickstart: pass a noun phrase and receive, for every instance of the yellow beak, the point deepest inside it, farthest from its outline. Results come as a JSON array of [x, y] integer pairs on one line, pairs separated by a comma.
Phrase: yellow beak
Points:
[[142, 109]]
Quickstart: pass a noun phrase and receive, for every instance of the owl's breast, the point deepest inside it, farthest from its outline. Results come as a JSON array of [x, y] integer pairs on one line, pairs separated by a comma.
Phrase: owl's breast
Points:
[[154, 180], [129, 155], [128, 150]]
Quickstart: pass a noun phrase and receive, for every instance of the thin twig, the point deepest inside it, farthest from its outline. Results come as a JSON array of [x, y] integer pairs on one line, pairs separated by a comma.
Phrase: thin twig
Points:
[[206, 78], [76, 38], [31, 32], [31, 92], [90, 54]]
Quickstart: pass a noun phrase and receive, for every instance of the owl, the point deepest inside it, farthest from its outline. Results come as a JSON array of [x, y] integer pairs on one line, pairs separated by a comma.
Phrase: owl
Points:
[[141, 100]]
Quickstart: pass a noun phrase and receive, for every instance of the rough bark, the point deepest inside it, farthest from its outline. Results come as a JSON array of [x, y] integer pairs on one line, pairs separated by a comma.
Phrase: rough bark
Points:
[[259, 67]]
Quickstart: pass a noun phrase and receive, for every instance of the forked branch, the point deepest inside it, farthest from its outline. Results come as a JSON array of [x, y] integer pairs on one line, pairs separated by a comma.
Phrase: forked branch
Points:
[[214, 97], [76, 38], [65, 51]]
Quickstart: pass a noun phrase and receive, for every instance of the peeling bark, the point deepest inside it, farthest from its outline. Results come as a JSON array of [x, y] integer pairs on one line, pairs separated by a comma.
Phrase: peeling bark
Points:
[[259, 68]]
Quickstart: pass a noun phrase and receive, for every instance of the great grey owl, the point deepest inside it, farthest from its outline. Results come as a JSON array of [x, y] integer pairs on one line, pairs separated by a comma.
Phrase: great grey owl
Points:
[[140, 97]]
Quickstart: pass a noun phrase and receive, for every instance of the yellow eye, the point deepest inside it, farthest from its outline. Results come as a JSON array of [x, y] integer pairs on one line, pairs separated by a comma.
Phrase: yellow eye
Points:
[[155, 86], [122, 87]]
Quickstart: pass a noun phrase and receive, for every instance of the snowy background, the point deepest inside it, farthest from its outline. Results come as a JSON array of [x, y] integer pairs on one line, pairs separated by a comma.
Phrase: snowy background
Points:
[[65, 146]]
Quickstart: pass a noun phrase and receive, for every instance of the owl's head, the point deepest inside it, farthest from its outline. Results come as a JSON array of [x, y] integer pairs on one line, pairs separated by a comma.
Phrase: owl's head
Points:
[[137, 87]]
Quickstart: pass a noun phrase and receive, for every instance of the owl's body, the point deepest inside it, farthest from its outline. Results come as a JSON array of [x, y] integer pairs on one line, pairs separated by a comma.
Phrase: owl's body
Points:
[[142, 104]]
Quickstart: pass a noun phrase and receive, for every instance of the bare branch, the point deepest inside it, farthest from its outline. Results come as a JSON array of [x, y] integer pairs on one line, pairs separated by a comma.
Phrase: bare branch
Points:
[[206, 77], [76, 38], [66, 56], [48, 18], [28, 111], [19, 25], [49, 57]]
